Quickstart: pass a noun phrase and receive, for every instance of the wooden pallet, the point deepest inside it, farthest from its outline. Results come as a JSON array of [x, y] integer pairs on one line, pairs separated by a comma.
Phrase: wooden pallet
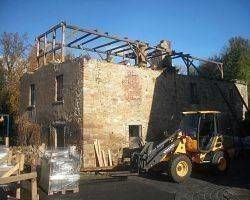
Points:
[[23, 177], [13, 174], [97, 169], [64, 191]]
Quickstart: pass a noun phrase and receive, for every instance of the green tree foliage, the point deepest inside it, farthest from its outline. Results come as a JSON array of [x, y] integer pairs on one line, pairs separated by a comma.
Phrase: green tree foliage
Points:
[[235, 58]]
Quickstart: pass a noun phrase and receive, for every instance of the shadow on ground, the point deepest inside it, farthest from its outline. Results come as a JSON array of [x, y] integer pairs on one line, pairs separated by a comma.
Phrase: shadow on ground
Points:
[[237, 176], [111, 188], [203, 184]]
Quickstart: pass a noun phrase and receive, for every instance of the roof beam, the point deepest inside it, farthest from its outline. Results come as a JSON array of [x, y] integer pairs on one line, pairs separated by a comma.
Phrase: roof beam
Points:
[[106, 35], [47, 52], [122, 50], [90, 40], [95, 51], [52, 29], [118, 47], [78, 39], [107, 44]]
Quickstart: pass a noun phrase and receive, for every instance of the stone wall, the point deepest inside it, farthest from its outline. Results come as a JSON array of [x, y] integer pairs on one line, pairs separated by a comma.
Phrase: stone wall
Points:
[[172, 95], [47, 111], [116, 96], [102, 99]]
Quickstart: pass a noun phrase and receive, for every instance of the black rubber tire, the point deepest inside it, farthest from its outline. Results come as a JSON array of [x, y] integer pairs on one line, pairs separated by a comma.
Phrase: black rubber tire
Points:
[[172, 168], [215, 161]]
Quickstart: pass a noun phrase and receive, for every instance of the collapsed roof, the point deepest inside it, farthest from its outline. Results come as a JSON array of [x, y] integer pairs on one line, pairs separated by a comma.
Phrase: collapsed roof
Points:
[[54, 42]]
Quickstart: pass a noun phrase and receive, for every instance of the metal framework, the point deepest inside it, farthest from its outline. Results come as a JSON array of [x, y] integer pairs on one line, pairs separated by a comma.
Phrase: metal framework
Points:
[[55, 40]]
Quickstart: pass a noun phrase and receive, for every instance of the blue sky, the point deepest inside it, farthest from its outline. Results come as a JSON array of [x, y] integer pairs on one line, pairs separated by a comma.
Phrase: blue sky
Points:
[[199, 27]]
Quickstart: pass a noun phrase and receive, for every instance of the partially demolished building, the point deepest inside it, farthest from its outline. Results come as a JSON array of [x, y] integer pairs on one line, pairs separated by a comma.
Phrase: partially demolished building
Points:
[[78, 101]]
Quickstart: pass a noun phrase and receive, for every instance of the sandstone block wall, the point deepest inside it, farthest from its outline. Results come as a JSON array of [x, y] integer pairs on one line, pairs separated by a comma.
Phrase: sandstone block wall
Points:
[[102, 99], [116, 96], [49, 113]]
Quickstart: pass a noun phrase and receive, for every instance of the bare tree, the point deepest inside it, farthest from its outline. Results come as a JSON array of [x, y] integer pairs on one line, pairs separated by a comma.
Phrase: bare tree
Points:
[[28, 132], [13, 51], [32, 60]]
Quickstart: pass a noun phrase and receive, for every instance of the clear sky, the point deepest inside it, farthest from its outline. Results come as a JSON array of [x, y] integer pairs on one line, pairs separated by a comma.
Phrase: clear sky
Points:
[[198, 27]]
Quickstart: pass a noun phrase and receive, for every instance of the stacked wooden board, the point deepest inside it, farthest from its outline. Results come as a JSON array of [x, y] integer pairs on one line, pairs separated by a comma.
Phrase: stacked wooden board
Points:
[[101, 155]]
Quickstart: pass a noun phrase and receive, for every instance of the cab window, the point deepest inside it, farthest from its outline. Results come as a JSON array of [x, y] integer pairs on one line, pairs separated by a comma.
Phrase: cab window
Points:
[[207, 125], [189, 125]]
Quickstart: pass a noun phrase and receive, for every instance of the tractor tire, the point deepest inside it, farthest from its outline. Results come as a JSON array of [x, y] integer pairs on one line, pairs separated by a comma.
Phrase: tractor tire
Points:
[[221, 162], [179, 168]]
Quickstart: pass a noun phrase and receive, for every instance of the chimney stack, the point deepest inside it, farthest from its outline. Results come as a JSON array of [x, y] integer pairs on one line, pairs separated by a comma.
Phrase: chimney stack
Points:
[[160, 57]]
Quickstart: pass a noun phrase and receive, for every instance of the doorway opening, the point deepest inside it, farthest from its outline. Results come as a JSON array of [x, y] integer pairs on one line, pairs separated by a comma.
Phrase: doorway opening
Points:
[[60, 136], [135, 136]]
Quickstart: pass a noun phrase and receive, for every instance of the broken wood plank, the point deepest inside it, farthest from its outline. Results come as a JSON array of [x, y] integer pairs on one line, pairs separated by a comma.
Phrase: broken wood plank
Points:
[[34, 194], [7, 141], [18, 192], [99, 159], [104, 159], [96, 153], [11, 171], [100, 153], [96, 169], [21, 162], [110, 158], [22, 177], [10, 157]]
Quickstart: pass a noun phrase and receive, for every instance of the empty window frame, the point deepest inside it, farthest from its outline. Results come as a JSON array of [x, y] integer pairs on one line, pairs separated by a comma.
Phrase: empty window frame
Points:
[[135, 131], [194, 93], [32, 95], [60, 136], [59, 88]]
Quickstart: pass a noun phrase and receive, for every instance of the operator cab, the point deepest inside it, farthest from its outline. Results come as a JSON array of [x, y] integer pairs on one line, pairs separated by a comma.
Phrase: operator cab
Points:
[[200, 129]]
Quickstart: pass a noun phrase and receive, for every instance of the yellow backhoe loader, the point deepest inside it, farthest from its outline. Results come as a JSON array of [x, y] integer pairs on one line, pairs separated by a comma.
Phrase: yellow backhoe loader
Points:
[[198, 140]]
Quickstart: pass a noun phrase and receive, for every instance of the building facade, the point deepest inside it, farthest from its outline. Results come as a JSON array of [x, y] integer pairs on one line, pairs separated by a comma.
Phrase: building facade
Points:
[[78, 101]]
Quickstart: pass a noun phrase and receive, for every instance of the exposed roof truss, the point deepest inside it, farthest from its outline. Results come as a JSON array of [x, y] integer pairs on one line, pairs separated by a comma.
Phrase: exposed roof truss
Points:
[[53, 43]]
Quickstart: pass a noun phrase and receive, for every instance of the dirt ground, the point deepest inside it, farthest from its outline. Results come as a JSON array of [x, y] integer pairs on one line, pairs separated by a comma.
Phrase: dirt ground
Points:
[[203, 185]]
